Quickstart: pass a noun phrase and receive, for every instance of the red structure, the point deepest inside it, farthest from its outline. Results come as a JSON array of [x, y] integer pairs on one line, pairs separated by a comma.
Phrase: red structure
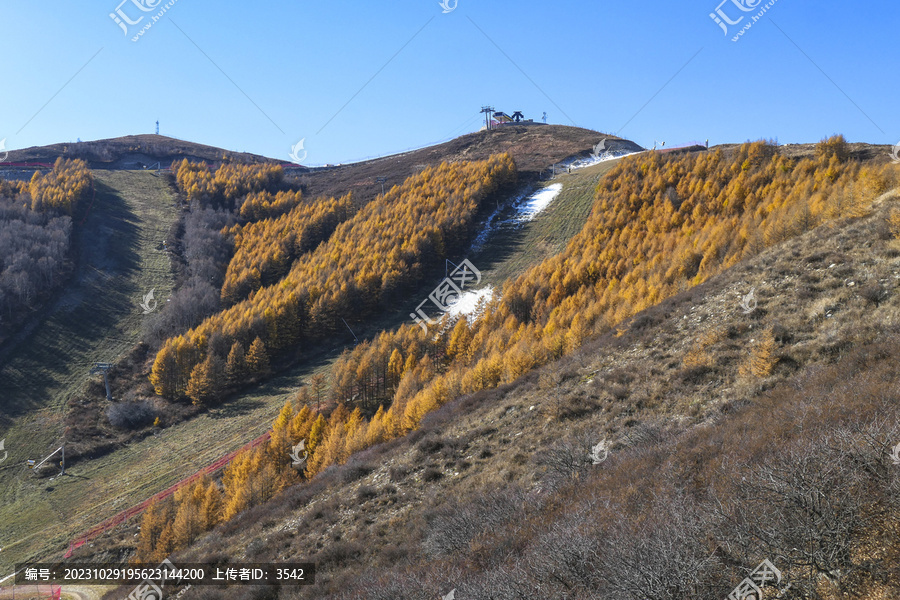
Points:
[[136, 510]]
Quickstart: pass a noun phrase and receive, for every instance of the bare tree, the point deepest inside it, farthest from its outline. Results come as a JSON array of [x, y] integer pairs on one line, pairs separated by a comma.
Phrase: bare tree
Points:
[[809, 507], [665, 557], [569, 458]]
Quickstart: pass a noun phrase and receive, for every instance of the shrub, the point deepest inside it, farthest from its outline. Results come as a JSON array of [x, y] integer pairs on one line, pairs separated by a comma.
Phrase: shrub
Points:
[[453, 526], [131, 415], [569, 458], [357, 471], [578, 404], [337, 554], [694, 374], [431, 444], [366, 492], [399, 472], [872, 292], [431, 474]]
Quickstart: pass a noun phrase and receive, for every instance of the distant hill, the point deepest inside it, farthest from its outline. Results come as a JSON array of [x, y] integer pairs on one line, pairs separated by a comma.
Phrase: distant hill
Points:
[[533, 148], [131, 152]]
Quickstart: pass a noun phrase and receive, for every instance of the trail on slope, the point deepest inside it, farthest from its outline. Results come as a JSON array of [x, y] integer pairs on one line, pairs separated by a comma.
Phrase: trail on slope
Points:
[[39, 518], [541, 224], [96, 319]]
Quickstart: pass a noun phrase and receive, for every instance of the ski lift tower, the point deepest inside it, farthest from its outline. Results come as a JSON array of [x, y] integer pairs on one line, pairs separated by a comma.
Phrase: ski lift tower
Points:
[[488, 113], [104, 368]]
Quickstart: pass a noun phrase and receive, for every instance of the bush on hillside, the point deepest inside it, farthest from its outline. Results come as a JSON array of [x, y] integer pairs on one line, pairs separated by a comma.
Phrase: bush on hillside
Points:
[[131, 415]]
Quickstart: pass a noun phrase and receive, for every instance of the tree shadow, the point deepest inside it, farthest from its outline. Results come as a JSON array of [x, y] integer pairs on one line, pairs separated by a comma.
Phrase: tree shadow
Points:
[[106, 248], [238, 407]]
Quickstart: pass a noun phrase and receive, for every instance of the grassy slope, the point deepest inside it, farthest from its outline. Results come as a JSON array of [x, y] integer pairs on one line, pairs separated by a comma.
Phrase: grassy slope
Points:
[[510, 252], [96, 319]]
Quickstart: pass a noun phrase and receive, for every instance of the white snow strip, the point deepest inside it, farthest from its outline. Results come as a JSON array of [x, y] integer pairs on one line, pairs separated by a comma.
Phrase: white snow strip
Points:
[[493, 223], [538, 201], [592, 160], [469, 301]]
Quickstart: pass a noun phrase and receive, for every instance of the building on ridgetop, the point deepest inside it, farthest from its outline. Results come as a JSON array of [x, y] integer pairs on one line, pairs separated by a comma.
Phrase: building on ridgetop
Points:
[[501, 119]]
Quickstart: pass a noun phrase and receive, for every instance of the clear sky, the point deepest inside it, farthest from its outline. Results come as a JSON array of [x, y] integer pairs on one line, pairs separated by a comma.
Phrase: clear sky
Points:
[[356, 79]]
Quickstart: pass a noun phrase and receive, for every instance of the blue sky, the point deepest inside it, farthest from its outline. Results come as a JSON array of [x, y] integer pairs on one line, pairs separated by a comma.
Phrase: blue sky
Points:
[[359, 79]]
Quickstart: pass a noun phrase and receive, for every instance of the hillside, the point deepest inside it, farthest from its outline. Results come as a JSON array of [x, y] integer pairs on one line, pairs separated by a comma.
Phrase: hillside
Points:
[[534, 149], [618, 317], [95, 319], [495, 493], [131, 211]]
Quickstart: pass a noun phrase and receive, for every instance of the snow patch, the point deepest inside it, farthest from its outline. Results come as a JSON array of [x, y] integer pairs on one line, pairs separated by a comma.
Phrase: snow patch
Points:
[[494, 222], [538, 201], [470, 301], [595, 159]]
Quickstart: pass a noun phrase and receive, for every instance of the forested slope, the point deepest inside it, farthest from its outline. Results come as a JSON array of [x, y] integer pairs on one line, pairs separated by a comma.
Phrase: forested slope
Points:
[[659, 224], [36, 237], [368, 261]]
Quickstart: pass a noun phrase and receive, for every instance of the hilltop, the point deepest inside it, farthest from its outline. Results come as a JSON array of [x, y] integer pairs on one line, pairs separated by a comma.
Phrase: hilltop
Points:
[[534, 149], [131, 152]]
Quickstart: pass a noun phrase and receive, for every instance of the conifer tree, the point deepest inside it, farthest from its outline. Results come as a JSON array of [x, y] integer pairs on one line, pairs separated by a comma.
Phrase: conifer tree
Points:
[[258, 359], [301, 425], [152, 523], [459, 339], [205, 382], [317, 432], [280, 441], [166, 544], [187, 524], [236, 480], [163, 376], [211, 508], [318, 382], [329, 451], [236, 366], [395, 369], [375, 432]]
